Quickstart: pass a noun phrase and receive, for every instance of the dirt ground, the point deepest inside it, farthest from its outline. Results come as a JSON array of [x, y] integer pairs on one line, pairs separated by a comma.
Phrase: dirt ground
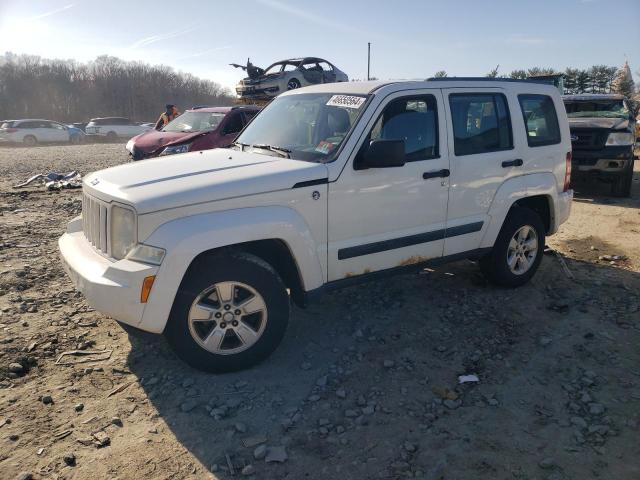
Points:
[[365, 384]]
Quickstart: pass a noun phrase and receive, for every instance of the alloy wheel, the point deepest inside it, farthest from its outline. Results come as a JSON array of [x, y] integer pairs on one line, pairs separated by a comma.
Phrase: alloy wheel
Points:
[[522, 250], [227, 318]]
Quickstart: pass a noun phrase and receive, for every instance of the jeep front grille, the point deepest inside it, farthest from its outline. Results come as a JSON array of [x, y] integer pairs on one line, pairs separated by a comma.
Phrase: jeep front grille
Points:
[[95, 223]]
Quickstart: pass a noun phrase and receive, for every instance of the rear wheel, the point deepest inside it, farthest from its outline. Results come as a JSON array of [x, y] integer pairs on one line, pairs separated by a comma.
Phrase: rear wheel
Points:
[[230, 313], [621, 187], [30, 141], [517, 252]]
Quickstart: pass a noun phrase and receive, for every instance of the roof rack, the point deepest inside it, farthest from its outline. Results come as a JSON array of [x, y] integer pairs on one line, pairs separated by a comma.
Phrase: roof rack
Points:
[[483, 79]]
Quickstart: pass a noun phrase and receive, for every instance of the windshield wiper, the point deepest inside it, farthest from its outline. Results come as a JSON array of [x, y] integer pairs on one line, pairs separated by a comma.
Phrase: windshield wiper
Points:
[[283, 152], [240, 144]]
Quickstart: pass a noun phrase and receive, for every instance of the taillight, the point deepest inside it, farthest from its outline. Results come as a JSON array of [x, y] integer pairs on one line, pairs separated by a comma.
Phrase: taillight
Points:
[[10, 130], [567, 173]]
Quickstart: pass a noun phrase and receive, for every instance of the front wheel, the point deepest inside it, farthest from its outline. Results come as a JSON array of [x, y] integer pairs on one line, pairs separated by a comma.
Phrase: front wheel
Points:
[[621, 187], [518, 250], [293, 84], [230, 313]]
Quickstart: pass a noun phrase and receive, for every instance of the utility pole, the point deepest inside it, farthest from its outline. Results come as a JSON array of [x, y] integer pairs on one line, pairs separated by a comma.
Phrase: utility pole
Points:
[[368, 60]]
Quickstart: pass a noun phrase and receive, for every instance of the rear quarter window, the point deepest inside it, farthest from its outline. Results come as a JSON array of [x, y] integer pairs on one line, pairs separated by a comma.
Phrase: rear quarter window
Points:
[[540, 119]]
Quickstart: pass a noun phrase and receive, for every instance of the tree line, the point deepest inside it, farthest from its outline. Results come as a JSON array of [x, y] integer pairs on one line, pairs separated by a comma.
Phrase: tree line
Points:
[[70, 91], [597, 79]]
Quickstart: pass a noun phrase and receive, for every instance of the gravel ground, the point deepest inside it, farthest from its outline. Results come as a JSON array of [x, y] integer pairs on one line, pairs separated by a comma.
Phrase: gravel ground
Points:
[[365, 384]]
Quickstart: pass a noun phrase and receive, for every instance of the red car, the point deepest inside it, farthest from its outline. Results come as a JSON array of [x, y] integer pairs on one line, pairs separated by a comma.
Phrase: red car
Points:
[[200, 128]]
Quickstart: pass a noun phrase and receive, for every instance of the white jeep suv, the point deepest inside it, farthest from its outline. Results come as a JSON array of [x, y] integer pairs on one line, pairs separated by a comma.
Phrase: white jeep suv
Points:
[[329, 185]]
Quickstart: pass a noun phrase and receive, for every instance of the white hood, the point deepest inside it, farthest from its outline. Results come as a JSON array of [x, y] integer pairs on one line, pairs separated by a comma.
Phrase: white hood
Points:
[[185, 179]]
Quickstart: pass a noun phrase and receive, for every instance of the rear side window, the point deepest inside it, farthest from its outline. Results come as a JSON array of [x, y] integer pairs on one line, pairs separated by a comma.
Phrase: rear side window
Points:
[[414, 120], [481, 123], [541, 120]]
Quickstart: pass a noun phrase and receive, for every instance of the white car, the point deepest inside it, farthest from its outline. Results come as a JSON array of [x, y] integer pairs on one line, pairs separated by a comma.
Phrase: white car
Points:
[[113, 128], [287, 75], [32, 131], [328, 186]]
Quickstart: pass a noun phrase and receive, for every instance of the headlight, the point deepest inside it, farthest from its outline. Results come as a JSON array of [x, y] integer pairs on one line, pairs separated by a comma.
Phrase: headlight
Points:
[[123, 231], [620, 138], [146, 254], [129, 146], [176, 149]]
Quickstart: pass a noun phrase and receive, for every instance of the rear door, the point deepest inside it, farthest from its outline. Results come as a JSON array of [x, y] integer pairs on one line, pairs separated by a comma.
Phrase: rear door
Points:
[[482, 156]]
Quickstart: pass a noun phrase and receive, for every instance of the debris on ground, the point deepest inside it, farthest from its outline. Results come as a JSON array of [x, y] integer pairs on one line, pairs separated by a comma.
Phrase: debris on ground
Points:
[[54, 181]]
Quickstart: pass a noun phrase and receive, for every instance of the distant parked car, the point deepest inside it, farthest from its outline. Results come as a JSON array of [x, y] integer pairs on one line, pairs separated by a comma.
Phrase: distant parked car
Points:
[[76, 135], [195, 129], [286, 75], [31, 131], [79, 125], [113, 128]]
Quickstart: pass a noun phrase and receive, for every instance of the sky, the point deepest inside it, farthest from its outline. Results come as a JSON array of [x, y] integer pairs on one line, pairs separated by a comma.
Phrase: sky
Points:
[[410, 39]]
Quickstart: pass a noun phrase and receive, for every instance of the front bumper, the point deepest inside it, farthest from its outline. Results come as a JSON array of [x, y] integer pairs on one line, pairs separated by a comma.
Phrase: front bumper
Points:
[[110, 286], [251, 91]]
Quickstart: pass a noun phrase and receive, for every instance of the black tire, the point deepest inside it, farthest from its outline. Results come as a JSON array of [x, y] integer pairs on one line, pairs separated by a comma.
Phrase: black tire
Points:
[[293, 84], [494, 265], [228, 267], [30, 141], [622, 185], [112, 136]]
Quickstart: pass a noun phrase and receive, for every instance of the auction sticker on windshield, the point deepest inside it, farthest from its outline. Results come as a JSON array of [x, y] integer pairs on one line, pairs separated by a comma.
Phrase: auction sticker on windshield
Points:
[[348, 101]]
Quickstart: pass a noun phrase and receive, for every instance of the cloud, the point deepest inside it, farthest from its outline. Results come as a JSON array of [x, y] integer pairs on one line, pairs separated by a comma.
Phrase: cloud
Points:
[[164, 36], [205, 52], [310, 17], [52, 12]]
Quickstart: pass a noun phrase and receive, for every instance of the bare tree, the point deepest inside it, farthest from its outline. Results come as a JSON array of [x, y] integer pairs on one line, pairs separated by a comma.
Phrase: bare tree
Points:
[[70, 91]]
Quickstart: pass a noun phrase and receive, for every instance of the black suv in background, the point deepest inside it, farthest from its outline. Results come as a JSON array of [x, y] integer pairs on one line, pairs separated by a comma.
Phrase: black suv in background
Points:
[[602, 138]]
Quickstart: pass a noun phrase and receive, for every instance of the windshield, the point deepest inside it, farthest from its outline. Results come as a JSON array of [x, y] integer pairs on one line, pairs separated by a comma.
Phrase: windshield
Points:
[[194, 122], [597, 108], [310, 126]]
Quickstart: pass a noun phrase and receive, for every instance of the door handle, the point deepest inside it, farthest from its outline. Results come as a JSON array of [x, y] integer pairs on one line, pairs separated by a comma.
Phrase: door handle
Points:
[[436, 174], [512, 163]]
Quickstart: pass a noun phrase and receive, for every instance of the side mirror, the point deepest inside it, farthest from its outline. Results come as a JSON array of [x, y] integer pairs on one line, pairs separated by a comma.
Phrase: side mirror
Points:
[[383, 154]]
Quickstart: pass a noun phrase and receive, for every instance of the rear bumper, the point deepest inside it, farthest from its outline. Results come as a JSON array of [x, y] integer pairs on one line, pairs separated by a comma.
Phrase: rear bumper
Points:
[[563, 209], [111, 287]]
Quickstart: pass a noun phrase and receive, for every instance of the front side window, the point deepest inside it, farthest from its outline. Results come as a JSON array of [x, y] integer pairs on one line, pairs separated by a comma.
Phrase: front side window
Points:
[[481, 123], [413, 120], [306, 126], [194, 122], [541, 120], [234, 123]]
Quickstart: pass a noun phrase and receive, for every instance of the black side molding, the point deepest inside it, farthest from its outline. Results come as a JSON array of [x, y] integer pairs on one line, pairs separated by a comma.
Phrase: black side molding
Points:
[[376, 247], [314, 295], [310, 183]]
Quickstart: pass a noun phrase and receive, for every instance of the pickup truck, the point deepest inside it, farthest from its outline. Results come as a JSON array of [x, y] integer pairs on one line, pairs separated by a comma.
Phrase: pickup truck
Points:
[[328, 186], [603, 134]]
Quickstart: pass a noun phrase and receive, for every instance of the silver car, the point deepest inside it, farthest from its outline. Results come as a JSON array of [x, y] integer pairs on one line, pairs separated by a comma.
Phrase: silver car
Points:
[[287, 75]]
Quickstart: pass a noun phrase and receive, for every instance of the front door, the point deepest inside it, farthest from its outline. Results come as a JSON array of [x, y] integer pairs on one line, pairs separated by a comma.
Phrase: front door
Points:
[[381, 218]]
